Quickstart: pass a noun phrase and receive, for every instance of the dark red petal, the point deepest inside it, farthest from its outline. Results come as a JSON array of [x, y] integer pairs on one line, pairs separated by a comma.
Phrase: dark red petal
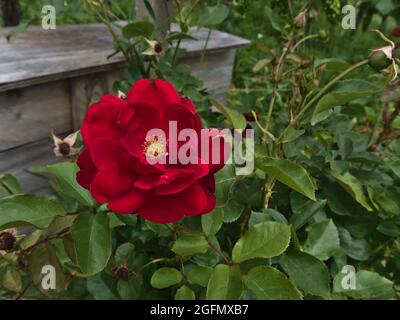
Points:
[[170, 208], [87, 171], [108, 153], [160, 93], [129, 202], [208, 182], [100, 119], [181, 177], [112, 183]]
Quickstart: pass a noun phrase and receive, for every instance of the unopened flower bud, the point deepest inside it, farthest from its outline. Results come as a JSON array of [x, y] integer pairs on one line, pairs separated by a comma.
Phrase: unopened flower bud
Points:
[[300, 20], [381, 58]]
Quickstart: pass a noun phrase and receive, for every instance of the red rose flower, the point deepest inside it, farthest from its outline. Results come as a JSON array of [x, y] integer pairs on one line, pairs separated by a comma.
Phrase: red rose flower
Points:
[[114, 165]]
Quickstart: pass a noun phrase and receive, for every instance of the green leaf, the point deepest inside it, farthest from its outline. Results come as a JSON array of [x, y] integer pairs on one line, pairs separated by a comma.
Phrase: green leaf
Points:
[[21, 28], [190, 244], [395, 166], [30, 239], [303, 212], [60, 223], [289, 173], [211, 16], [160, 229], [226, 205], [185, 293], [92, 238], [130, 290], [128, 219], [199, 275], [165, 277], [389, 228], [125, 252], [260, 65], [12, 280], [292, 134], [139, 28], [368, 285], [353, 187], [178, 36], [270, 284], [323, 240], [212, 222], [307, 272], [344, 92], [274, 19], [28, 210], [332, 64], [99, 288], [10, 183], [65, 183], [235, 118], [225, 283], [263, 240]]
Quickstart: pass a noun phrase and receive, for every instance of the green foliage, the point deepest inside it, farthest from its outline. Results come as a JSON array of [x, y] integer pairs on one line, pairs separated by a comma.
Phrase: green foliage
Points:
[[270, 284], [263, 240]]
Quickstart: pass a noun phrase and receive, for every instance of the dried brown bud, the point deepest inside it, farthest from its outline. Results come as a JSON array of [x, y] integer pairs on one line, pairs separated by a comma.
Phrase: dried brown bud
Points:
[[7, 241], [64, 149], [123, 273], [372, 147]]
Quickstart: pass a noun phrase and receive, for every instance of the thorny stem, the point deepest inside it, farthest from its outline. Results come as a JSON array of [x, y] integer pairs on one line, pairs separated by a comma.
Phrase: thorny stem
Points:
[[49, 238], [321, 93], [223, 256], [276, 79], [311, 36]]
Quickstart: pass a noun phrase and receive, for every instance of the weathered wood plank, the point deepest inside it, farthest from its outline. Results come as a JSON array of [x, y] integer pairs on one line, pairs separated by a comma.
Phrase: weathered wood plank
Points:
[[87, 89], [39, 56], [215, 71], [17, 160], [30, 114]]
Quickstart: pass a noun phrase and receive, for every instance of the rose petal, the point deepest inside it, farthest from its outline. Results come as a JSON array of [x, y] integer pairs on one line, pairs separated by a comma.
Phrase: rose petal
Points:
[[129, 202], [160, 93], [170, 208], [87, 171], [100, 119]]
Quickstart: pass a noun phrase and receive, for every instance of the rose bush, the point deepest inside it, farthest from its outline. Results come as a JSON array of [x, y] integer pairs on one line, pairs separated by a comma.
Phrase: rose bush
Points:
[[114, 165]]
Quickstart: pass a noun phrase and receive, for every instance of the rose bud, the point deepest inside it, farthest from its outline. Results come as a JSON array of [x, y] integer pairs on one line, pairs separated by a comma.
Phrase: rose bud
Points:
[[64, 147], [300, 20], [381, 58]]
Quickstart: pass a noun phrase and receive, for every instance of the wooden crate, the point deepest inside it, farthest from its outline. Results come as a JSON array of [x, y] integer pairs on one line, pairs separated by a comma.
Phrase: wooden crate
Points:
[[48, 78]]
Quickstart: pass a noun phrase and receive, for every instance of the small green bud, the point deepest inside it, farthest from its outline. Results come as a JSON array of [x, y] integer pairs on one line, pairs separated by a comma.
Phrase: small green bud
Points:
[[381, 58]]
